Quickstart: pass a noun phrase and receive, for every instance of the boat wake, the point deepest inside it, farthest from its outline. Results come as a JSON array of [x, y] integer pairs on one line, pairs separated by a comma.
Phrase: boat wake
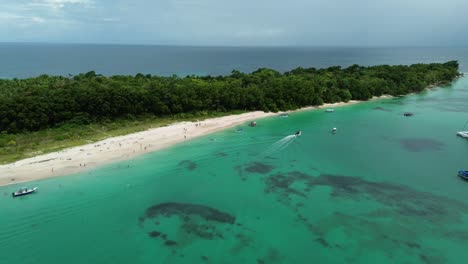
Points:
[[278, 146]]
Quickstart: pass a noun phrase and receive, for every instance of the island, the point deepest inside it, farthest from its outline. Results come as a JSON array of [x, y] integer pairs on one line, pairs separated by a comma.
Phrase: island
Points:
[[46, 114]]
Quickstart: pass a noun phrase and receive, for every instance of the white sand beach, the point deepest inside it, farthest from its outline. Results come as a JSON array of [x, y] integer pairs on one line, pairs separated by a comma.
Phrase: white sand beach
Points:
[[86, 157]]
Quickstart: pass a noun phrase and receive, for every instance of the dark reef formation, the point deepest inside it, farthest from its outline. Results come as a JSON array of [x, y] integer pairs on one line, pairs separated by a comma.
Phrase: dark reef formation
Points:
[[382, 109], [221, 154], [196, 221], [258, 167], [185, 210], [397, 224], [400, 198], [421, 144], [188, 164]]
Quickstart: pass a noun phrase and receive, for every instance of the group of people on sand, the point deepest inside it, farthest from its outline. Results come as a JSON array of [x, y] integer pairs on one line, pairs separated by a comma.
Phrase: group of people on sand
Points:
[[197, 124]]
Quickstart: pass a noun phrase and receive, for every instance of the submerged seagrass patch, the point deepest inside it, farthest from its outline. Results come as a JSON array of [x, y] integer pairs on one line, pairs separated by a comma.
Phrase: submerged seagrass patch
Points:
[[179, 224], [392, 223], [421, 144]]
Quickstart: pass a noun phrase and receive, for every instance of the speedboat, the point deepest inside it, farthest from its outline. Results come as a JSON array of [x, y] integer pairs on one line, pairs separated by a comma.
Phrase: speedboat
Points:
[[330, 110], [463, 174], [334, 130], [284, 115], [408, 114], [463, 134], [23, 191], [298, 133], [253, 124]]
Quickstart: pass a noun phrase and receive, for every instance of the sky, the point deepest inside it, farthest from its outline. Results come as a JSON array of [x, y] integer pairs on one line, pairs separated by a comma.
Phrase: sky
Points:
[[237, 23]]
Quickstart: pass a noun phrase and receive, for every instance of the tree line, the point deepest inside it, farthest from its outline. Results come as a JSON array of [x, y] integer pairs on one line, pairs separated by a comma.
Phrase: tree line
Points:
[[46, 101]]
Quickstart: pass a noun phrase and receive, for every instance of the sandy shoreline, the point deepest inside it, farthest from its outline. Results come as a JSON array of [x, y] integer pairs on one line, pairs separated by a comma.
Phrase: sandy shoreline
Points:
[[85, 157]]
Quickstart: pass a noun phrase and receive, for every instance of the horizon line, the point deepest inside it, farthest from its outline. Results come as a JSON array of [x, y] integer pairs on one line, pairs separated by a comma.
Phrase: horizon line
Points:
[[227, 46]]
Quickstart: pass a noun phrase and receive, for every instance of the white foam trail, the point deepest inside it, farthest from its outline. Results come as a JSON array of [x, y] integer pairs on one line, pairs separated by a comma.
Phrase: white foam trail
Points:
[[287, 144], [278, 146]]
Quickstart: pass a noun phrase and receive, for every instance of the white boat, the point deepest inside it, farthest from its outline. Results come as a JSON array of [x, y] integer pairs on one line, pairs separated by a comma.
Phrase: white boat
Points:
[[463, 134], [330, 110], [23, 191]]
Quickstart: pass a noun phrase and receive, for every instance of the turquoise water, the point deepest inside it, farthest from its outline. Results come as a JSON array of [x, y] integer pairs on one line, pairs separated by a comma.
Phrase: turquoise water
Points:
[[382, 190]]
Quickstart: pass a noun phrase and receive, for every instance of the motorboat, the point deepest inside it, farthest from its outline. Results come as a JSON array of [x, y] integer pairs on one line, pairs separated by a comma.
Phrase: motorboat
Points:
[[284, 115], [463, 174], [239, 130], [463, 134], [334, 130], [253, 124], [408, 114], [330, 110], [23, 191], [298, 133]]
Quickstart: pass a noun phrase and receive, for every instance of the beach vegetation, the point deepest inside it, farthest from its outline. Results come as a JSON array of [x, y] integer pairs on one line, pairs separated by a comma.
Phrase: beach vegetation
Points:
[[87, 107], [22, 145]]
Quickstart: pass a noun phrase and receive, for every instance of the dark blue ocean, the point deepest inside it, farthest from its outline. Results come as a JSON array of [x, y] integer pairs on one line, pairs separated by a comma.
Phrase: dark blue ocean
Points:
[[28, 60]]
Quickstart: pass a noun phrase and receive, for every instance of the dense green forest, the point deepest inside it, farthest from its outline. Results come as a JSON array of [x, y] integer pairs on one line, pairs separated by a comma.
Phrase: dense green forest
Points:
[[48, 101]]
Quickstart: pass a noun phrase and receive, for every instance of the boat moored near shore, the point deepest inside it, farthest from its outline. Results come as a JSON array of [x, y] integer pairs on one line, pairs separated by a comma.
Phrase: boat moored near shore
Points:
[[23, 191]]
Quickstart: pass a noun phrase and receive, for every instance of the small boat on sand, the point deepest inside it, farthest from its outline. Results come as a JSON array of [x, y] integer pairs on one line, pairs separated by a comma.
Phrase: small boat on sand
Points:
[[23, 191], [463, 174], [298, 133]]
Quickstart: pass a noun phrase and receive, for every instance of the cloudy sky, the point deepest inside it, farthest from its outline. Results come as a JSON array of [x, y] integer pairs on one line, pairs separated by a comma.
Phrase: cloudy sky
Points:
[[237, 23]]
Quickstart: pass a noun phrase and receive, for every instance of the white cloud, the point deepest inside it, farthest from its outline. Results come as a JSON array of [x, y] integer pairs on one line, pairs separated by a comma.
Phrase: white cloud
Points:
[[37, 19], [108, 19], [15, 18], [259, 32], [59, 4]]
